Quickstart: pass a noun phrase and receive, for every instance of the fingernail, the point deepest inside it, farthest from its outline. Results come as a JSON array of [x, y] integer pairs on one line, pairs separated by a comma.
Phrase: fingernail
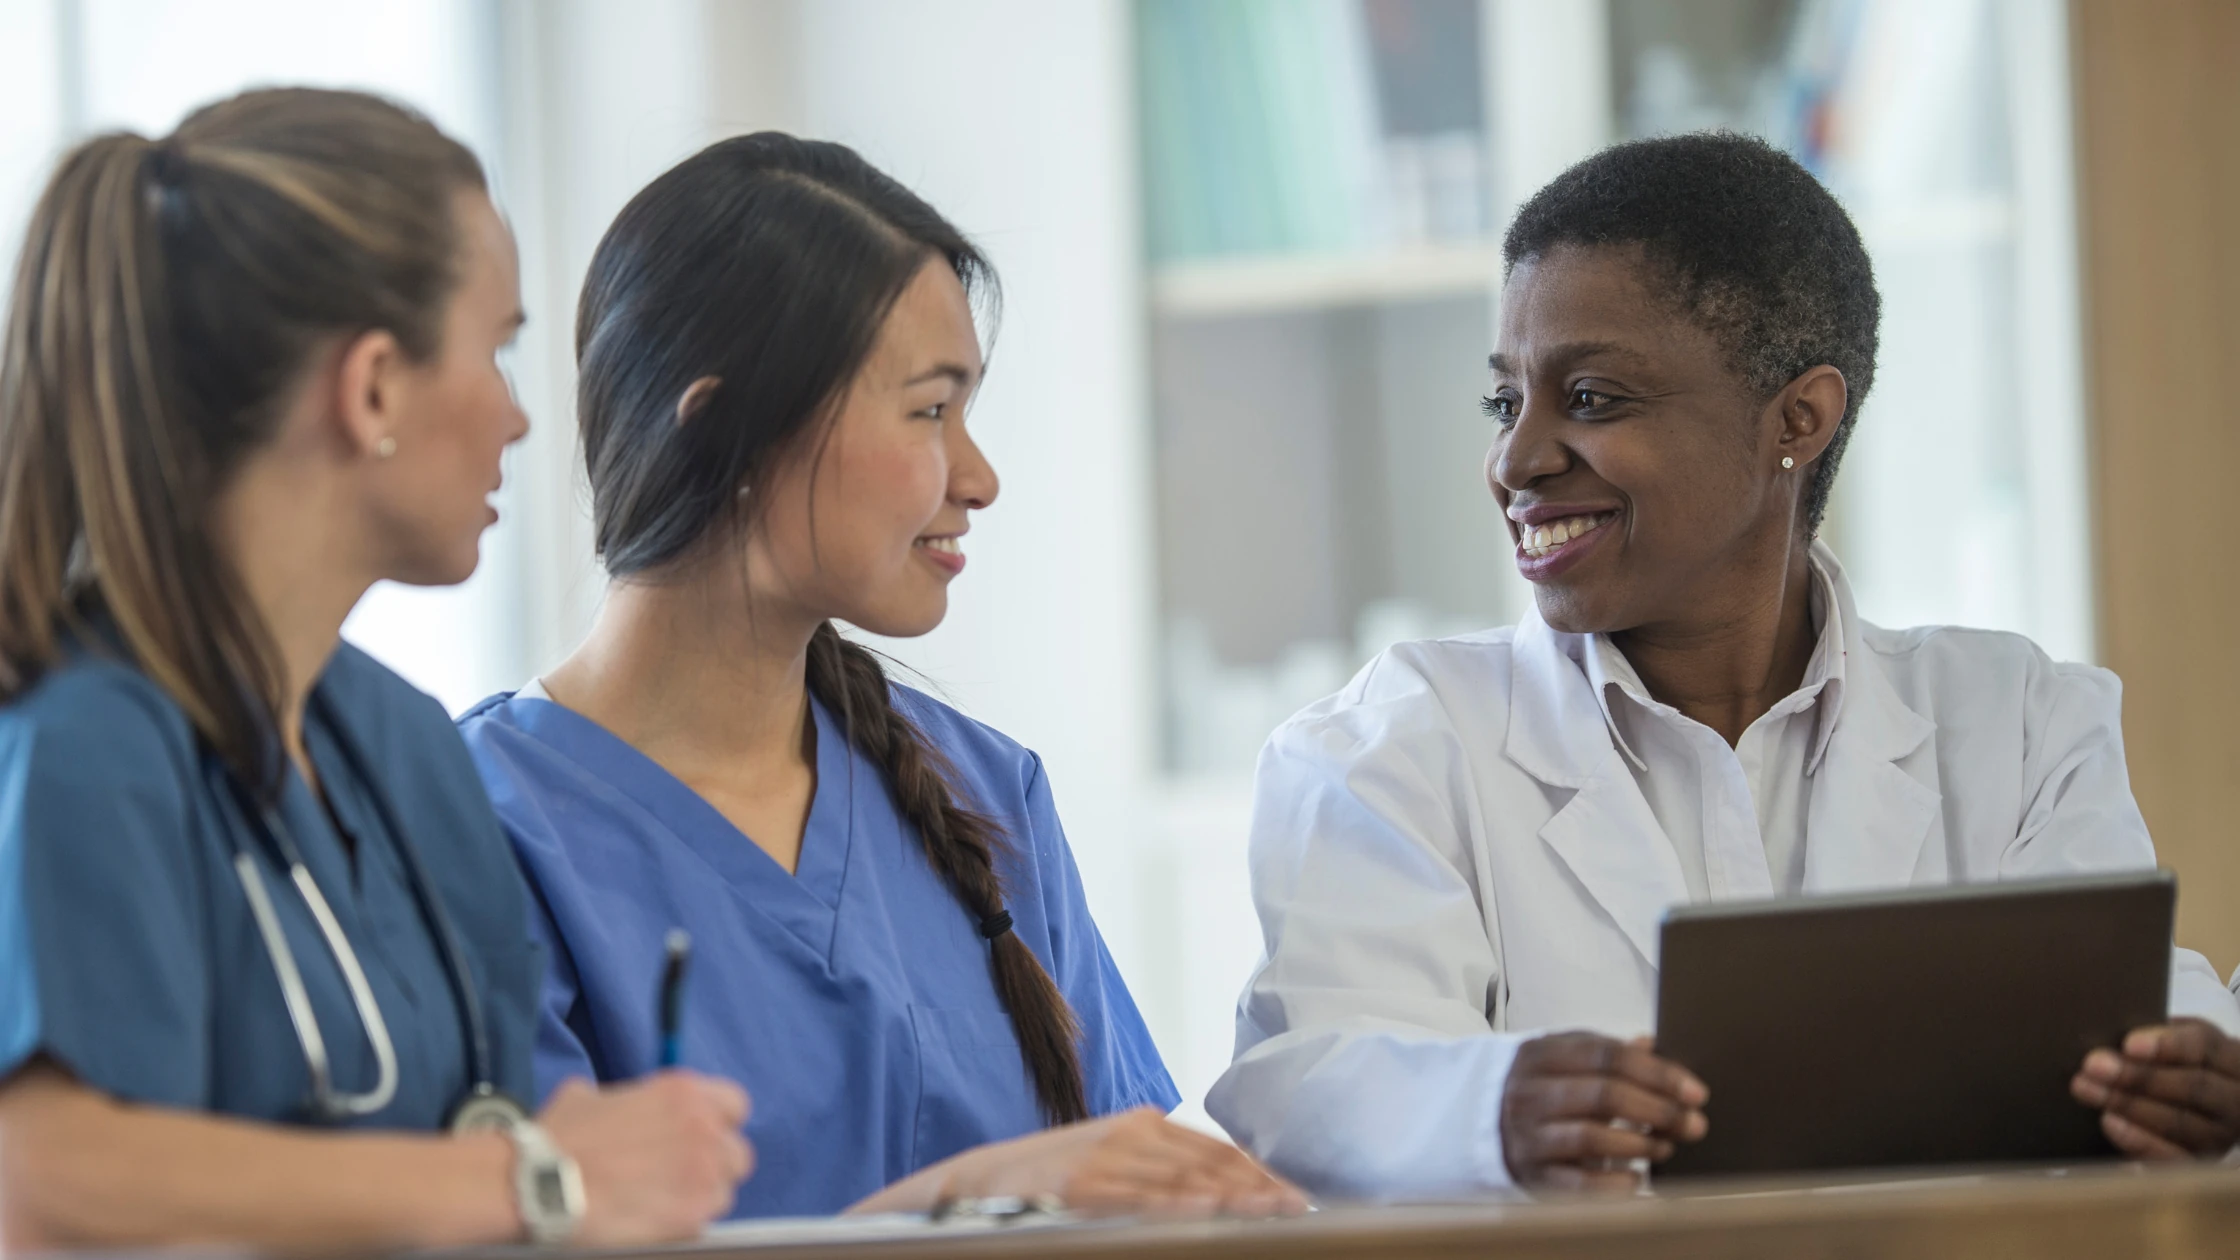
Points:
[[1696, 1126], [1693, 1092], [2090, 1092], [2142, 1043], [2103, 1065]]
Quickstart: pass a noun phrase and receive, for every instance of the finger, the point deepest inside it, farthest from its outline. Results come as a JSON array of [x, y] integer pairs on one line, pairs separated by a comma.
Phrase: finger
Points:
[[1208, 1159], [1587, 1054], [738, 1157], [1582, 1141], [2201, 1090], [2183, 1128], [724, 1098], [2137, 1142], [1615, 1098], [2186, 1042]]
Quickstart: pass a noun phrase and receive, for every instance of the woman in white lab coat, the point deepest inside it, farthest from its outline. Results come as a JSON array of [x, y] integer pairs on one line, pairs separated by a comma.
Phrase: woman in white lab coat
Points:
[[1461, 860]]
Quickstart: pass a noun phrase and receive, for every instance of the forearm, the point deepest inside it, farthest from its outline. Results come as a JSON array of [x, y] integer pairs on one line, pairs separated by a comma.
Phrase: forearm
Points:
[[1381, 1114], [80, 1169]]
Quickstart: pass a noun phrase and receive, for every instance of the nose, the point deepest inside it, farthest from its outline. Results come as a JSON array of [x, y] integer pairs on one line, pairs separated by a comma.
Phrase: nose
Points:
[[1532, 449], [973, 483]]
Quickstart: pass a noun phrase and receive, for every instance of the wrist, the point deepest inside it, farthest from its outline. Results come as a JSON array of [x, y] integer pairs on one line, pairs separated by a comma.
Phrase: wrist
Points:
[[475, 1186]]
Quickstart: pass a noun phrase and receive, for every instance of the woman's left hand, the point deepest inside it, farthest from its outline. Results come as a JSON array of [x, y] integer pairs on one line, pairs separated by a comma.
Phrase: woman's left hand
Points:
[[2172, 1093]]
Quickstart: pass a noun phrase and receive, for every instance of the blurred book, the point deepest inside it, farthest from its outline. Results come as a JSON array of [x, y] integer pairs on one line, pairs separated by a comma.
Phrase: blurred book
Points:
[[1309, 126]]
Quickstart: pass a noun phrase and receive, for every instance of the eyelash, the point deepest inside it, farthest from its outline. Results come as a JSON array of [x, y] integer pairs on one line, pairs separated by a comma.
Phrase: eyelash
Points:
[[1491, 407]]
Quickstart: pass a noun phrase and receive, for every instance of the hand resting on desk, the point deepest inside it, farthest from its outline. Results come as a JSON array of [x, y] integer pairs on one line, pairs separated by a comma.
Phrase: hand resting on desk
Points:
[[2171, 1093], [1134, 1161]]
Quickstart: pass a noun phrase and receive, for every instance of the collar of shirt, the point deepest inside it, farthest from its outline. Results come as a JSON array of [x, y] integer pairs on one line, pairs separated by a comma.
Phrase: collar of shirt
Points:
[[1610, 672]]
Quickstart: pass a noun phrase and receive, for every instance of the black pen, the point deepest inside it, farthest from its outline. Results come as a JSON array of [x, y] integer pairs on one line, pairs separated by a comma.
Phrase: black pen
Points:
[[679, 945]]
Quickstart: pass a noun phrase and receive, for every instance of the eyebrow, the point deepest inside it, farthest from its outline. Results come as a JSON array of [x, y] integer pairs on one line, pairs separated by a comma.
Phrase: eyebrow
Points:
[[957, 372], [1565, 354]]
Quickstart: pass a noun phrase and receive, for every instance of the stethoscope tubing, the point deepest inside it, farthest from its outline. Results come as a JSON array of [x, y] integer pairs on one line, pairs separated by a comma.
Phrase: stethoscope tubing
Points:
[[330, 1103]]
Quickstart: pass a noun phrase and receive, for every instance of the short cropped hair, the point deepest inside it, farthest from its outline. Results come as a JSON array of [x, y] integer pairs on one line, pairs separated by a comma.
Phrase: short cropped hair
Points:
[[1745, 242]]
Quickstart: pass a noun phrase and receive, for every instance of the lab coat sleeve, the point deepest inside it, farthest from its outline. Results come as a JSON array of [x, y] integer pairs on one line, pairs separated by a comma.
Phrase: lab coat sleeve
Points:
[[1366, 1064], [104, 939], [2079, 815]]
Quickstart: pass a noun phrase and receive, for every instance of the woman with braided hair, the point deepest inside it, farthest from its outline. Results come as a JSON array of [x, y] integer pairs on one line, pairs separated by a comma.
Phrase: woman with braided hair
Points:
[[776, 348]]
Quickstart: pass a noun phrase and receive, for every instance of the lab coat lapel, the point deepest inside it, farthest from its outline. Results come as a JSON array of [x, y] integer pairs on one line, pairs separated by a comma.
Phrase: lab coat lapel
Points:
[[1606, 833], [1868, 818]]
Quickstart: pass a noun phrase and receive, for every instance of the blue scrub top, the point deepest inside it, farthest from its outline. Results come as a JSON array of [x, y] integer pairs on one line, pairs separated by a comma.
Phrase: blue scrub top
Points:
[[853, 999], [127, 951]]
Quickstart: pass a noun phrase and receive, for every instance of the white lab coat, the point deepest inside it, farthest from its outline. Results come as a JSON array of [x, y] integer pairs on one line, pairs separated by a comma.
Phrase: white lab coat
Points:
[[1451, 857]]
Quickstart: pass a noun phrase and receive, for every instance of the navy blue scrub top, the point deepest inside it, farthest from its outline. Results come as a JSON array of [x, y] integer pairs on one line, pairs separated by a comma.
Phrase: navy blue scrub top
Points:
[[852, 997], [127, 950]]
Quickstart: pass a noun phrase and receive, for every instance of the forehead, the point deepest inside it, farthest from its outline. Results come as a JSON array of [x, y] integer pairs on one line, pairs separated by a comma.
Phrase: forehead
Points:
[[1591, 295], [931, 322], [489, 268]]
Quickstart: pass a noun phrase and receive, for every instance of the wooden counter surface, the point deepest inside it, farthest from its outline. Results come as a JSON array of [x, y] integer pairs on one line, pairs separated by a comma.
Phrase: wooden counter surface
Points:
[[2104, 1214]]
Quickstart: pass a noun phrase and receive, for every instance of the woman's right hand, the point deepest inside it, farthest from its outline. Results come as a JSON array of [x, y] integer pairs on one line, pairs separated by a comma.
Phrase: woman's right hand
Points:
[[1133, 1161], [661, 1157], [1579, 1109]]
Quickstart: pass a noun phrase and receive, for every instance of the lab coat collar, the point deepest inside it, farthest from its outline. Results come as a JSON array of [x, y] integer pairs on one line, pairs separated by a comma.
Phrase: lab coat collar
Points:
[[1823, 681], [1866, 820]]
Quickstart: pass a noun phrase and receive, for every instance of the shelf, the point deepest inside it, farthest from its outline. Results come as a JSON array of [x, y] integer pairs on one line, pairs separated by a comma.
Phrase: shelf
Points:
[[1205, 288]]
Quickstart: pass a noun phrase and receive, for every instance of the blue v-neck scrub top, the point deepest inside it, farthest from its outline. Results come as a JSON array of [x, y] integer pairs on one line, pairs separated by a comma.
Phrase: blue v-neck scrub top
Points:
[[127, 951], [852, 999]]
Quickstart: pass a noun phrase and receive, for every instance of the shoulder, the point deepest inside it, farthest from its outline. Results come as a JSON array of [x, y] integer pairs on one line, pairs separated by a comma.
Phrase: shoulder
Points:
[[380, 701], [1996, 685], [96, 719], [1412, 689], [1964, 661], [991, 759], [404, 733]]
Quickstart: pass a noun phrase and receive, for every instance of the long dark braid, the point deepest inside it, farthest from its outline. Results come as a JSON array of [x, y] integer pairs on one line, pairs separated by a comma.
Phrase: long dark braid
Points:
[[961, 844]]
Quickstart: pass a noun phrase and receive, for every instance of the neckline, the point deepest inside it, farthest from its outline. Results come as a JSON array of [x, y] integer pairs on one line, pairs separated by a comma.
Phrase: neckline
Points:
[[818, 877]]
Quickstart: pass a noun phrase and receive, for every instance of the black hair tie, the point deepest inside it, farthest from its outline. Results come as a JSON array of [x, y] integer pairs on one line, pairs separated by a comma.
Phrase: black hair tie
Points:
[[165, 166], [995, 924]]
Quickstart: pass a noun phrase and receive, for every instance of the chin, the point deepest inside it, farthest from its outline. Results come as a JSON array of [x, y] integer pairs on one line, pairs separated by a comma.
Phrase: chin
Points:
[[901, 623], [1570, 612]]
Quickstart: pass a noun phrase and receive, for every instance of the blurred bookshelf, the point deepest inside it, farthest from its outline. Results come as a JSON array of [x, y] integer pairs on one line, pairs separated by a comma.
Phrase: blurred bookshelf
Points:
[[1321, 267], [1324, 183], [1259, 284]]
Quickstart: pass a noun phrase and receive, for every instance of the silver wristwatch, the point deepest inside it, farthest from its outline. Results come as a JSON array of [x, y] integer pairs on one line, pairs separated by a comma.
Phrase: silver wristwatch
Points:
[[547, 1185]]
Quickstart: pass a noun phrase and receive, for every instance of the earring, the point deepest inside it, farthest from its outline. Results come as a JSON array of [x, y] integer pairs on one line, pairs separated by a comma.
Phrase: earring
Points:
[[384, 448], [1787, 462]]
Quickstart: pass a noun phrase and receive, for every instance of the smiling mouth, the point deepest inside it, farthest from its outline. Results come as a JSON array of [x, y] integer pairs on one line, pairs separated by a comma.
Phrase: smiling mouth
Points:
[[1540, 541], [946, 546]]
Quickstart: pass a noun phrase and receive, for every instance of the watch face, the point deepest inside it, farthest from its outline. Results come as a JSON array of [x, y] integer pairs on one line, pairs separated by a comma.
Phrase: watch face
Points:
[[487, 1113], [552, 1192]]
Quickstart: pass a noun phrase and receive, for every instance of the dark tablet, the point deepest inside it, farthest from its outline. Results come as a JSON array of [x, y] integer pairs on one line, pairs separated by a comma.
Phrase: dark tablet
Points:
[[1937, 1026]]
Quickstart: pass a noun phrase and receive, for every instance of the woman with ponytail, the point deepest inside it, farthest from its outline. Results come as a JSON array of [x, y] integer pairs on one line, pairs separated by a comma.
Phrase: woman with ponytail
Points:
[[261, 939], [776, 348]]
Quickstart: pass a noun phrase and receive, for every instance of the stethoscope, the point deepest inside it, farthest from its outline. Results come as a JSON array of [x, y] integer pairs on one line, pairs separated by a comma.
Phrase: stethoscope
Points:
[[483, 1105]]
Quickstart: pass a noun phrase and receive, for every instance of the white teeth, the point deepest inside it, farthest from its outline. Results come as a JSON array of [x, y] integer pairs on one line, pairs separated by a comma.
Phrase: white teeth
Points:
[[1539, 540], [947, 546]]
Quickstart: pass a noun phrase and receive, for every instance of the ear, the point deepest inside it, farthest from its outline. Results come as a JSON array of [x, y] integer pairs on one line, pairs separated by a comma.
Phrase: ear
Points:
[[696, 396], [368, 388], [1811, 409]]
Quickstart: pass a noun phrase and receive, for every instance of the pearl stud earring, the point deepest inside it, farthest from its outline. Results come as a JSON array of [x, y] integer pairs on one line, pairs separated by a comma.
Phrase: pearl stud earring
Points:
[[1787, 462], [385, 448]]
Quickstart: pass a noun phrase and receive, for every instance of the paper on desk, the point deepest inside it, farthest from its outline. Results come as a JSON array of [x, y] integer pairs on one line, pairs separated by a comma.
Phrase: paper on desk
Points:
[[791, 1231]]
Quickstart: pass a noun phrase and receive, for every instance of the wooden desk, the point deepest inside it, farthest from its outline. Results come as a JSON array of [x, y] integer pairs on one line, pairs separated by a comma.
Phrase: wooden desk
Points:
[[2103, 1214]]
